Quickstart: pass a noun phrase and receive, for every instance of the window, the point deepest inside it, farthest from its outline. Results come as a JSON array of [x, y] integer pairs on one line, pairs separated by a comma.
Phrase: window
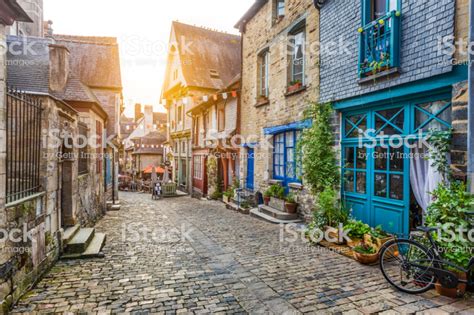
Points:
[[297, 53], [221, 118], [264, 65], [83, 150], [279, 9], [379, 43], [285, 162], [197, 161]]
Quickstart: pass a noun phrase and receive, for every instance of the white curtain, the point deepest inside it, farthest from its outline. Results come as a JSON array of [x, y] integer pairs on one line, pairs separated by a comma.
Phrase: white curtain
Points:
[[423, 177]]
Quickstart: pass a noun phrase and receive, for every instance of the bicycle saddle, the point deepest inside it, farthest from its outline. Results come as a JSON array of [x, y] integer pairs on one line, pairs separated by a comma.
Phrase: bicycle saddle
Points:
[[427, 229]]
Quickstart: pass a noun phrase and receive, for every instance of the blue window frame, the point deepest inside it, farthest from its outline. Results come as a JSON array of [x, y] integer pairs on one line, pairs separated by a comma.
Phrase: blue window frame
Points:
[[285, 162], [379, 43]]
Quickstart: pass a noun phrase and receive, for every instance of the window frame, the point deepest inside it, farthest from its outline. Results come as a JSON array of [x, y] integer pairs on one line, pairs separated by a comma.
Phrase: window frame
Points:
[[300, 28], [279, 11], [197, 167], [296, 178], [264, 73]]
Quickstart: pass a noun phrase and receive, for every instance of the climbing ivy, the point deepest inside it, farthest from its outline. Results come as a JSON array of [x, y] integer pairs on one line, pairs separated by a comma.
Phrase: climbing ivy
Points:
[[438, 152], [318, 157]]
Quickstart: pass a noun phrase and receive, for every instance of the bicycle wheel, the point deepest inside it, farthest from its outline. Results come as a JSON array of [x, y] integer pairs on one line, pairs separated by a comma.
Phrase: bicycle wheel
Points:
[[405, 265]]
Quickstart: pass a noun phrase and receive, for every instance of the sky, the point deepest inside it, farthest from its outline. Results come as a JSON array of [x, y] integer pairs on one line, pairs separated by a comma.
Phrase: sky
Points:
[[142, 28]]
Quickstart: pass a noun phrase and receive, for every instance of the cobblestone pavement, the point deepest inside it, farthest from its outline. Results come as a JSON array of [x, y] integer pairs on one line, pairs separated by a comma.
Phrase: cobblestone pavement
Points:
[[231, 263]]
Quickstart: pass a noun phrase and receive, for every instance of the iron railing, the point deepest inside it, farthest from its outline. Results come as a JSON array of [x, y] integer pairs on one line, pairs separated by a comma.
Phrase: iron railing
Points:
[[23, 140], [380, 44]]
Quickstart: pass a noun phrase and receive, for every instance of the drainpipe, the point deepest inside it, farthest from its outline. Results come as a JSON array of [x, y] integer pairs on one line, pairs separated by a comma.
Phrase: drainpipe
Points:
[[470, 131]]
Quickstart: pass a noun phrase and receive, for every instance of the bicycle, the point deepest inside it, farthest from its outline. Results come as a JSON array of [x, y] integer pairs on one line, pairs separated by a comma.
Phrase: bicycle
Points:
[[413, 268]]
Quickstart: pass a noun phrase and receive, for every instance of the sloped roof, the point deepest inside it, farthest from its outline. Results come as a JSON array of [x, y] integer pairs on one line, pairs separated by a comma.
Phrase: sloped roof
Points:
[[95, 60], [28, 64], [202, 51], [11, 11], [258, 4], [76, 91]]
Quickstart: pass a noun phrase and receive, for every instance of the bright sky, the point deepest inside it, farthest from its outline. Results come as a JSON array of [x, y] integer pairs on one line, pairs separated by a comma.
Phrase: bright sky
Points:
[[143, 29]]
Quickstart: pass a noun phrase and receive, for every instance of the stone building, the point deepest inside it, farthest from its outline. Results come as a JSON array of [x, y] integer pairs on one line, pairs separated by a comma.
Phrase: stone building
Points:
[[280, 78], [215, 149], [96, 62], [34, 27], [147, 129], [200, 63], [397, 76], [10, 12]]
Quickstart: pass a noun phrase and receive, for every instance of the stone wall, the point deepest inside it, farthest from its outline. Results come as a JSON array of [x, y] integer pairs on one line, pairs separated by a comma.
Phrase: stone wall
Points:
[[35, 220], [459, 158], [90, 187], [261, 33], [423, 22]]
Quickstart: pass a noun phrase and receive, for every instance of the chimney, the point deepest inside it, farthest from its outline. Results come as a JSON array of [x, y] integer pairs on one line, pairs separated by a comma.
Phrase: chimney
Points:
[[48, 29], [138, 112], [149, 117], [58, 67]]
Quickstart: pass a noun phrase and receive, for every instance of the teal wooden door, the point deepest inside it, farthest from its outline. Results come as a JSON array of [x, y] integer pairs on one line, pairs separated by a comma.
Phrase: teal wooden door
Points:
[[376, 153], [375, 170]]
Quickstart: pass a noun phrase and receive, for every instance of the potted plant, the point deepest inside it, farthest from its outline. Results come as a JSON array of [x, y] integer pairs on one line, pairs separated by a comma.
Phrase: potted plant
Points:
[[365, 253], [245, 207], [450, 202], [377, 237], [290, 203], [357, 229], [228, 194], [335, 216], [295, 86], [267, 195]]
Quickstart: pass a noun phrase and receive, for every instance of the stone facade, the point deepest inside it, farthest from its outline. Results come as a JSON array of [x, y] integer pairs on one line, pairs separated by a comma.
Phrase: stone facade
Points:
[[90, 187], [3, 145], [262, 32]]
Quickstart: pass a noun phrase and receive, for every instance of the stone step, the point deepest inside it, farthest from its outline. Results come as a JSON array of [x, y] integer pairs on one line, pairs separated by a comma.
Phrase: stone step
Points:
[[256, 213], [80, 241], [70, 232], [94, 249], [115, 207], [277, 214]]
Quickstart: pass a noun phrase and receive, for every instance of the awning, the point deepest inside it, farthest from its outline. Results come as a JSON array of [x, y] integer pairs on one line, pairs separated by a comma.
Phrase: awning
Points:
[[298, 125], [149, 170]]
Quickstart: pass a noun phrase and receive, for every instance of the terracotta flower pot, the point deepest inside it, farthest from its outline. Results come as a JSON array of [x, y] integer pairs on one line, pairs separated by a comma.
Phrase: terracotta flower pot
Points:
[[366, 259], [376, 242], [291, 207], [454, 293], [266, 200]]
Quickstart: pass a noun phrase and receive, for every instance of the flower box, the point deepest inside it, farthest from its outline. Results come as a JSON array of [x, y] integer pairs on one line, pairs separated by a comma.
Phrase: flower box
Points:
[[277, 203], [295, 87]]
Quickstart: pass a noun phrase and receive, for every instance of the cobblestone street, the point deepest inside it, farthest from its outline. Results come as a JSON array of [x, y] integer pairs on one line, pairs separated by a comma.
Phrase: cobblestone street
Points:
[[231, 263]]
